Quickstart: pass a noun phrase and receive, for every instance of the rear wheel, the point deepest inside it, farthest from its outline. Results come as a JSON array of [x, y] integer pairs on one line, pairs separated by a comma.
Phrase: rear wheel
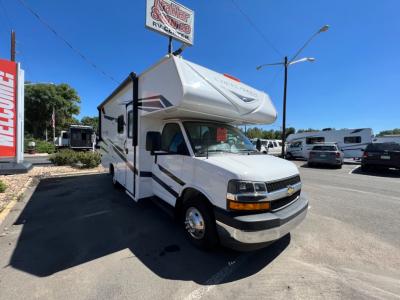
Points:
[[199, 223], [289, 156]]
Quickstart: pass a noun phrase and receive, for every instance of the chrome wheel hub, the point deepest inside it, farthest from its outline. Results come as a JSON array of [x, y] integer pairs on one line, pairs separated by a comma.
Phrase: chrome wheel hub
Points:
[[194, 223]]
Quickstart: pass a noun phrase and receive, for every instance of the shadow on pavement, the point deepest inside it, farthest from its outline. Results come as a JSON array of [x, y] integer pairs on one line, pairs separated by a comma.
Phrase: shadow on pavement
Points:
[[392, 173], [71, 221]]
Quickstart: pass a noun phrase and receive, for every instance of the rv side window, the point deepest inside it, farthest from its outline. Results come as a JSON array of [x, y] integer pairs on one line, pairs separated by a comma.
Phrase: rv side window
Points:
[[315, 140], [172, 140], [120, 124], [130, 124], [352, 139]]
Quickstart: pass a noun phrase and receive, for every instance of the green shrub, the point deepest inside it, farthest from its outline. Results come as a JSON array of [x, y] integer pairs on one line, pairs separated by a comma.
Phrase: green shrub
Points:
[[89, 159], [64, 157], [3, 187], [44, 147], [41, 146]]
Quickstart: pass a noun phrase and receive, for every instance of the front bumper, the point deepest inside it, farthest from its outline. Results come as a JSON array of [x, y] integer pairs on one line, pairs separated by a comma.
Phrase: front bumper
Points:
[[258, 229]]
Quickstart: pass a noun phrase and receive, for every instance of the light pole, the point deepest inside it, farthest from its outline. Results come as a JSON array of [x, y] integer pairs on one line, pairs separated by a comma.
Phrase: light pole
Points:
[[286, 63]]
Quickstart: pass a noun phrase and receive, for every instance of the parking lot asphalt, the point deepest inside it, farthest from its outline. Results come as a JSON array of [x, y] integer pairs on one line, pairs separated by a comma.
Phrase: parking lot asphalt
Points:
[[78, 238]]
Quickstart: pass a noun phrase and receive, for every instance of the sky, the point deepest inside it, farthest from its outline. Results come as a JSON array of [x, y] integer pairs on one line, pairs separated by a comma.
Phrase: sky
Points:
[[353, 83]]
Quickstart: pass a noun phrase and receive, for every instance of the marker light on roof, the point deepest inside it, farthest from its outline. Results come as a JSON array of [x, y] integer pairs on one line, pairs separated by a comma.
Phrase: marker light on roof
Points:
[[232, 77]]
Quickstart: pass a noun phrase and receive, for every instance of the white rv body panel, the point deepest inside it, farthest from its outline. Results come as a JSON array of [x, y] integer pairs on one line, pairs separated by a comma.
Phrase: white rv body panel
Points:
[[351, 142], [169, 94], [187, 90]]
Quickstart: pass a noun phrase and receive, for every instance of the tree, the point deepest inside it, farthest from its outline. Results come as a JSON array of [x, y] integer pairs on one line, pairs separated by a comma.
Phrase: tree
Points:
[[254, 133], [389, 132], [40, 99], [91, 121], [307, 130]]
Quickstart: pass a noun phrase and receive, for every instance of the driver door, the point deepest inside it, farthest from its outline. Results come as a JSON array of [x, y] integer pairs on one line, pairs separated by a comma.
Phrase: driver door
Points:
[[167, 171]]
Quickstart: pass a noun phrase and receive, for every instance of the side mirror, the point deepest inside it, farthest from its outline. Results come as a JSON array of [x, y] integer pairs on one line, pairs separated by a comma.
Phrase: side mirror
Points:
[[153, 141]]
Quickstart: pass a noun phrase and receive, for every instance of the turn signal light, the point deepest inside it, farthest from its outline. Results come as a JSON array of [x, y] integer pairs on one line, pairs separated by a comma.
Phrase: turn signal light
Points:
[[234, 205]]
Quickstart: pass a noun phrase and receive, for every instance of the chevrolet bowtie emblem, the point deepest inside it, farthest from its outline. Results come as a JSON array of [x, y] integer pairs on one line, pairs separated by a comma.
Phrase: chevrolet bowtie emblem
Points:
[[290, 190]]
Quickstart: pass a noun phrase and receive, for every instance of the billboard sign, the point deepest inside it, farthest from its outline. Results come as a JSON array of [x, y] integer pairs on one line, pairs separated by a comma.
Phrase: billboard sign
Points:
[[170, 18], [8, 109]]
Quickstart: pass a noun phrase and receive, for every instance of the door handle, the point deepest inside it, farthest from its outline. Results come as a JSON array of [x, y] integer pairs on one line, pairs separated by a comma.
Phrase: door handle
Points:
[[126, 150]]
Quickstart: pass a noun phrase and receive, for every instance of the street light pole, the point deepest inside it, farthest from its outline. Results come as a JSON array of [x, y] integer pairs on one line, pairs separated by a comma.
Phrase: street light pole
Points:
[[286, 63], [284, 108]]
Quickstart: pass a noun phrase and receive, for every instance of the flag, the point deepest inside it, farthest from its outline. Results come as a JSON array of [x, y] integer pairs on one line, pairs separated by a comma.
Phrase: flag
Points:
[[53, 119]]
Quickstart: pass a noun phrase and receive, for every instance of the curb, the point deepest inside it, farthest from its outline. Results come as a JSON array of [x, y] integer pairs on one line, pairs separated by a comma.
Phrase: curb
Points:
[[4, 213], [71, 174]]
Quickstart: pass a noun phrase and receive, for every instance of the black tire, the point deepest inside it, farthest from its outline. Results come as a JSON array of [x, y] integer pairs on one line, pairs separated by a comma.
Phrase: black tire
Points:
[[200, 207], [289, 156], [310, 165]]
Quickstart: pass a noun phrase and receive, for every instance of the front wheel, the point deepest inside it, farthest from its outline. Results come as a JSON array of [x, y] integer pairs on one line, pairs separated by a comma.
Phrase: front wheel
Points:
[[199, 223]]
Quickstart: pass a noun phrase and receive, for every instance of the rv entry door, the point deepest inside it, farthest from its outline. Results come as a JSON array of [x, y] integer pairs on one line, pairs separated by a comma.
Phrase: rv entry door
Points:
[[167, 182]]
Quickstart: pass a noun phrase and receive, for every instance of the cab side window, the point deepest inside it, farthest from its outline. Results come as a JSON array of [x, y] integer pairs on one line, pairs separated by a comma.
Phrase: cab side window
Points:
[[172, 140]]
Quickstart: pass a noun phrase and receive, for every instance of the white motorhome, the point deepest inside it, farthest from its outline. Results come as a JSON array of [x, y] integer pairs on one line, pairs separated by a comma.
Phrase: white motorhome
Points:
[[352, 142], [169, 135]]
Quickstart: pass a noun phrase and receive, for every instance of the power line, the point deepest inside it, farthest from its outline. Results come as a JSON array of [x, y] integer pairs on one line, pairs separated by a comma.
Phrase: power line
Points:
[[69, 45], [252, 24]]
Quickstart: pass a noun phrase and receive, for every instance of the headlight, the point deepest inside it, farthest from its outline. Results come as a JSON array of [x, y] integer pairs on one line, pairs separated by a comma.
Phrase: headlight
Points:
[[247, 195]]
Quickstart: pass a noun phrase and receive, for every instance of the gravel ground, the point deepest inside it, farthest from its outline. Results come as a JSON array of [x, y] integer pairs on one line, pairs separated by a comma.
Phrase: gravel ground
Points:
[[17, 183]]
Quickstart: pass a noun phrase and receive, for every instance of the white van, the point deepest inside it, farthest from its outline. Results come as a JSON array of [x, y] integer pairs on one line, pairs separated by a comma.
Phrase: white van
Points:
[[352, 142], [168, 135], [264, 145]]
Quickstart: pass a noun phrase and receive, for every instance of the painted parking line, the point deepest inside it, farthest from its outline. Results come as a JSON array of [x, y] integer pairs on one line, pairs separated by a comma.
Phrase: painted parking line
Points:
[[352, 170], [217, 278]]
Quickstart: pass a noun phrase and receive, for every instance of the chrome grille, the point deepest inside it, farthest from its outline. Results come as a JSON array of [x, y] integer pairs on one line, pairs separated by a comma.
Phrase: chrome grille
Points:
[[282, 184], [276, 204]]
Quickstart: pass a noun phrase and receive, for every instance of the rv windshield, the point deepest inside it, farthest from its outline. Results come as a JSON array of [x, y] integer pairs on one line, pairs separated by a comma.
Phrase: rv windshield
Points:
[[216, 137]]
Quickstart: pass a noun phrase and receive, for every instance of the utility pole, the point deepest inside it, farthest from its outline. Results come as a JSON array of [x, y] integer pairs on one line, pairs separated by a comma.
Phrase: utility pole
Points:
[[12, 55], [284, 109]]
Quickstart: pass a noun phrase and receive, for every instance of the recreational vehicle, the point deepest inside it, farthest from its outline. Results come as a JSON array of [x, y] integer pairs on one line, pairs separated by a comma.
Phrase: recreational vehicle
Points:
[[352, 142], [169, 135]]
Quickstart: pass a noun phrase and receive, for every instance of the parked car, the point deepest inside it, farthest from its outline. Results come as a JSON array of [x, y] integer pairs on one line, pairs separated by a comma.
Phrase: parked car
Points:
[[326, 154], [382, 156]]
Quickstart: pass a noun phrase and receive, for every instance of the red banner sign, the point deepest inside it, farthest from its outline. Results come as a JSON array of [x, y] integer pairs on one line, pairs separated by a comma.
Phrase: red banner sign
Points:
[[8, 108]]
